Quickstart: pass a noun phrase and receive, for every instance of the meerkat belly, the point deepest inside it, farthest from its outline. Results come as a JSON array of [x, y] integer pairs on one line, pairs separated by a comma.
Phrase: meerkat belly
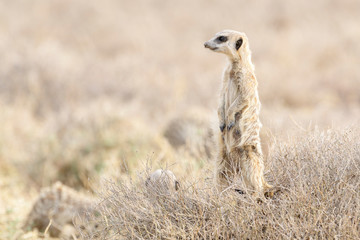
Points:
[[232, 136], [231, 95]]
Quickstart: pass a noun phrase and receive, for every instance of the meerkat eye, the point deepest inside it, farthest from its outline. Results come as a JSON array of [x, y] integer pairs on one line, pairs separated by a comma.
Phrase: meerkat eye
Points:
[[222, 39], [238, 43]]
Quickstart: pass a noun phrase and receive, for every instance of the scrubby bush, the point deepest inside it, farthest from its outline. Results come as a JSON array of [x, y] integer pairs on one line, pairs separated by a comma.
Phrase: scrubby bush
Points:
[[318, 177]]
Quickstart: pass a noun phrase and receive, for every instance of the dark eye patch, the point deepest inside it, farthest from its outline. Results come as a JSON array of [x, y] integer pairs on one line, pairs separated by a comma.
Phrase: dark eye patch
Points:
[[238, 43], [222, 39]]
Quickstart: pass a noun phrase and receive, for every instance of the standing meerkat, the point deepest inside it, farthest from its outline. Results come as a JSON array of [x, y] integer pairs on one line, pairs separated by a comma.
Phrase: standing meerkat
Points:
[[239, 140]]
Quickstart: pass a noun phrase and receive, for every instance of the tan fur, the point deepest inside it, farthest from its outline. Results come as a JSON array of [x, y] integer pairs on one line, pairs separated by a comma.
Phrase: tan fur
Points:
[[58, 204], [239, 141]]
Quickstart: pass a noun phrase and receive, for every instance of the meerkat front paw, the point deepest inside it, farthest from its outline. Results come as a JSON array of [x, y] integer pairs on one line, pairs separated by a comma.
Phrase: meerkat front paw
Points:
[[231, 124], [232, 119], [222, 127]]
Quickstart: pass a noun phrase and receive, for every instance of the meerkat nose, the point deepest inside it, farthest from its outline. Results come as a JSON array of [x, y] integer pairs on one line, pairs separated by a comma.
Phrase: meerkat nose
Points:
[[206, 44]]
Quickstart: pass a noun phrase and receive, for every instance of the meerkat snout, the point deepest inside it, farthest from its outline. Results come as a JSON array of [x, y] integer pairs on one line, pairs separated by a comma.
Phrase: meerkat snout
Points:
[[209, 45]]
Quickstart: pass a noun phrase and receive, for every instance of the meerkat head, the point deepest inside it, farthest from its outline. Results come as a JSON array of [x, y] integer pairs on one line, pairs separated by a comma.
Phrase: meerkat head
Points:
[[232, 43]]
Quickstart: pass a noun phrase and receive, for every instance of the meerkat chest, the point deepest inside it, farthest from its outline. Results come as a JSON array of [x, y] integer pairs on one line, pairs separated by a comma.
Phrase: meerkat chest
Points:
[[232, 90]]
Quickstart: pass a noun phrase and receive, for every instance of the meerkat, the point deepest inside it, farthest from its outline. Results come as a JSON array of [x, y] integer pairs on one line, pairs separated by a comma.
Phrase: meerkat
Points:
[[239, 141], [163, 181], [55, 209]]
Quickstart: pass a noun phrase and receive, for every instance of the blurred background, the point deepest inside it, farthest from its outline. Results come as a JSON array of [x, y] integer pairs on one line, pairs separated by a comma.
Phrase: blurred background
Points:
[[92, 89]]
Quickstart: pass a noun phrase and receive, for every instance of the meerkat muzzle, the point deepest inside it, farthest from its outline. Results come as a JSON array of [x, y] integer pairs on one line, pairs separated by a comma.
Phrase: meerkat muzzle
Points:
[[208, 45]]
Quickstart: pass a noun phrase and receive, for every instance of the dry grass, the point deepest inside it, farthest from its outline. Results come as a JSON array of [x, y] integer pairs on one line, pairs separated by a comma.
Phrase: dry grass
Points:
[[92, 90], [318, 174]]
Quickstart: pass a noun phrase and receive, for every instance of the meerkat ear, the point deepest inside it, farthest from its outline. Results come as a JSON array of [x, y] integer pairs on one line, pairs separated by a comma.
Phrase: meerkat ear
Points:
[[238, 44]]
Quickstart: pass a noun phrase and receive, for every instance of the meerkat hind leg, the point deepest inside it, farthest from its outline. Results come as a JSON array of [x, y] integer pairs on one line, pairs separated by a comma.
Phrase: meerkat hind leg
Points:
[[250, 168], [224, 173]]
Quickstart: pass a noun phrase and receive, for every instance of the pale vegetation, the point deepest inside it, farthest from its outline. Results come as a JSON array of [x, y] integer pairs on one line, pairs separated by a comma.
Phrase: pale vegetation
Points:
[[98, 94]]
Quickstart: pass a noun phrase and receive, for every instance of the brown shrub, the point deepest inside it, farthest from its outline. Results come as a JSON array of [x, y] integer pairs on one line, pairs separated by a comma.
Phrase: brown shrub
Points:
[[318, 175], [55, 208]]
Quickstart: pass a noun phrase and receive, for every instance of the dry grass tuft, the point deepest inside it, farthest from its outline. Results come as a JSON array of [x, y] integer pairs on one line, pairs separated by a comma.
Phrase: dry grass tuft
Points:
[[55, 208], [318, 175]]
